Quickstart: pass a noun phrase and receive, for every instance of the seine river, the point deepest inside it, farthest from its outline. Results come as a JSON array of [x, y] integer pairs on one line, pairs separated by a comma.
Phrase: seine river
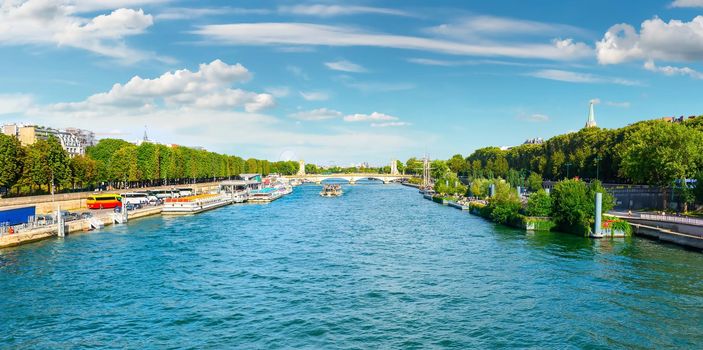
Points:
[[379, 267]]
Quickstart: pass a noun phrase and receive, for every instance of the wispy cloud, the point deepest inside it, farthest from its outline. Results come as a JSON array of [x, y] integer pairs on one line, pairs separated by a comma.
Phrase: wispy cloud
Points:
[[457, 63], [314, 95], [298, 72], [184, 13], [577, 77], [388, 124], [482, 26], [534, 118], [15, 103], [61, 24], [278, 91], [375, 116], [306, 34], [687, 3], [671, 71], [321, 10], [623, 104], [317, 114], [345, 66]]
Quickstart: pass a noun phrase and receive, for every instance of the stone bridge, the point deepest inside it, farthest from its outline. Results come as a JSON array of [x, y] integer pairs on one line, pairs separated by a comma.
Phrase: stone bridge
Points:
[[351, 178]]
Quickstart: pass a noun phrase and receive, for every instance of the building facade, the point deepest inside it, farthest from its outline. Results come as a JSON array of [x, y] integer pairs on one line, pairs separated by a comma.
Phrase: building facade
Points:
[[73, 140]]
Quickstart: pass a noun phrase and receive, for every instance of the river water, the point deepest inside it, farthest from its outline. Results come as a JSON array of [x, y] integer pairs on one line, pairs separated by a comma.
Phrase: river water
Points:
[[379, 267]]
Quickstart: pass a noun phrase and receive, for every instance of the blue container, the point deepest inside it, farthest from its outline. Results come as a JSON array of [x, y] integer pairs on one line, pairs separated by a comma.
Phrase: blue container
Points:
[[17, 216]]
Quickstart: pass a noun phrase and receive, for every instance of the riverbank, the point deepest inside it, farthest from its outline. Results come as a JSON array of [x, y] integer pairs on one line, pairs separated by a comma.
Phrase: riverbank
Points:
[[73, 201], [83, 225]]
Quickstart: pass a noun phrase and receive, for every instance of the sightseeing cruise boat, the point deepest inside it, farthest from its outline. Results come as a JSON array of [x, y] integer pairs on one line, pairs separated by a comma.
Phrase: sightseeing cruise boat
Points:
[[331, 191], [195, 204], [264, 195], [237, 190]]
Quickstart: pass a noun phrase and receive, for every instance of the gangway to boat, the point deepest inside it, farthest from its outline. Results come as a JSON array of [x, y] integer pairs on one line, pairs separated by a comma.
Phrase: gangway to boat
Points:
[[95, 223]]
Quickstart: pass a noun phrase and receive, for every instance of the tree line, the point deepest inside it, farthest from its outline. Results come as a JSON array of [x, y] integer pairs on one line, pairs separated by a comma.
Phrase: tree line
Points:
[[45, 165], [652, 152]]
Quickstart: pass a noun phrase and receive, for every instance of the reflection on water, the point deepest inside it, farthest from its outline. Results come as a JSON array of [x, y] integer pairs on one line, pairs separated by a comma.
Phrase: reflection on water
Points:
[[379, 267]]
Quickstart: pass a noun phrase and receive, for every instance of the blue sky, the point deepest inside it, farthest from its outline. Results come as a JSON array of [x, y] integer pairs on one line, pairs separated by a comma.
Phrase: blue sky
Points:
[[347, 81]]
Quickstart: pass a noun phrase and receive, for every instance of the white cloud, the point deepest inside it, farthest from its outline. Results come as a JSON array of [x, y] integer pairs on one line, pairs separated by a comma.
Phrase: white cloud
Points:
[[15, 103], [388, 124], [595, 101], [671, 71], [534, 118], [298, 72], [80, 6], [471, 27], [576, 77], [314, 95], [623, 104], [320, 10], [345, 66], [207, 88], [657, 40], [687, 3], [375, 116], [184, 13], [278, 91], [57, 23], [306, 34], [317, 114]]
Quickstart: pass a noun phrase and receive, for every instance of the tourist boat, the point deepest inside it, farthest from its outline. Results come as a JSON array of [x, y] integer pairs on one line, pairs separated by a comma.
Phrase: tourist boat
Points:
[[331, 191], [264, 195], [195, 204]]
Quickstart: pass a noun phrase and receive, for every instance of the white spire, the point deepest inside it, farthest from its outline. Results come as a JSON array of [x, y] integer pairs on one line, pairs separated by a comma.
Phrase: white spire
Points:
[[591, 123]]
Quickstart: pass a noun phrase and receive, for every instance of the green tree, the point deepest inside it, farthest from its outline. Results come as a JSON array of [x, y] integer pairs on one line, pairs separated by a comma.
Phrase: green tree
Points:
[[148, 161], [534, 182], [698, 186], [439, 169], [457, 164], [539, 204], [10, 160], [449, 184], [123, 165], [479, 187], [84, 170], [573, 203], [505, 205]]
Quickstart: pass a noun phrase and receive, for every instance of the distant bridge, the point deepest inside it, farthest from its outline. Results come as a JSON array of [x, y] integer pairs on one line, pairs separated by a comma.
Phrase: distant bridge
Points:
[[351, 178]]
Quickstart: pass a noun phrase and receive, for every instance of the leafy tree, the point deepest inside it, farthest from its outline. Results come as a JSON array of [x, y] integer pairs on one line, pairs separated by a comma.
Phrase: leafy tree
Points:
[[539, 204], [449, 184], [574, 204], [659, 152], [457, 164], [438, 169], [698, 186], [505, 205], [84, 170], [47, 163], [123, 165], [413, 166], [148, 161], [479, 187], [534, 182], [10, 160]]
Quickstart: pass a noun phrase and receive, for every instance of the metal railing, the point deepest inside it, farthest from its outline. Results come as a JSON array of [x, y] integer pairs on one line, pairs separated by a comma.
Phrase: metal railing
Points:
[[670, 218]]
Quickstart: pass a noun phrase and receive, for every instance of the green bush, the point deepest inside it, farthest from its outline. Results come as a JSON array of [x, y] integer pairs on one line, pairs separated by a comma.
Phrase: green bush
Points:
[[504, 205], [539, 204], [573, 203], [449, 184]]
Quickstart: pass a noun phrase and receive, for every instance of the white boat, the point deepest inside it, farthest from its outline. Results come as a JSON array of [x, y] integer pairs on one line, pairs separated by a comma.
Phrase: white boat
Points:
[[331, 191], [195, 204], [264, 195]]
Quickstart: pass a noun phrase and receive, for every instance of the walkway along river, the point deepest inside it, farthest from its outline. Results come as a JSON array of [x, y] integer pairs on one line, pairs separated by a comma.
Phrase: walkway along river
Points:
[[378, 267]]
